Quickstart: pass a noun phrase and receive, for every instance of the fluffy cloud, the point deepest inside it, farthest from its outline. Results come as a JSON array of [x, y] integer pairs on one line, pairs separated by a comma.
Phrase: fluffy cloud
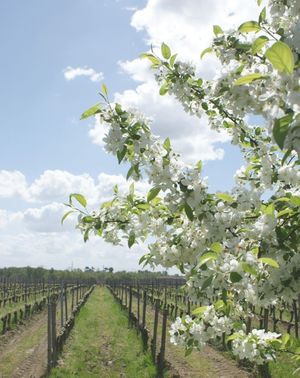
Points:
[[56, 185], [12, 184], [35, 235], [187, 28], [71, 73]]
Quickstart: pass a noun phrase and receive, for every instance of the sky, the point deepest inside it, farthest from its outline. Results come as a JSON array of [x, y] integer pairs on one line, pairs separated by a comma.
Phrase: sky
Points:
[[54, 57]]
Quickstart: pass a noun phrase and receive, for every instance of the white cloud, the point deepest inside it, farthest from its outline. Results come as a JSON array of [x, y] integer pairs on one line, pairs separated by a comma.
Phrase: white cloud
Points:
[[36, 237], [187, 28], [71, 73], [12, 183]]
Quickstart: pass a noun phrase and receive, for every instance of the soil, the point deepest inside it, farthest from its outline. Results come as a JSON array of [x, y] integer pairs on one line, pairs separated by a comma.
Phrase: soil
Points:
[[31, 362]]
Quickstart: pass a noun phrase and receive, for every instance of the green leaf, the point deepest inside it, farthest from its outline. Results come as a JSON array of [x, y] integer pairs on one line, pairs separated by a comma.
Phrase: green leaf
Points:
[[121, 154], [167, 145], [249, 79], [249, 26], [130, 172], [189, 212], [79, 197], [269, 210], [91, 111], [66, 215], [225, 197], [86, 235], [219, 305], [258, 44], [259, 2], [131, 239], [287, 211], [165, 51], [295, 201], [209, 256], [247, 268], [235, 277], [104, 89], [281, 57], [155, 61], [216, 247], [200, 310], [199, 166], [172, 60], [152, 193], [280, 129], [206, 51], [269, 261], [233, 337], [262, 15], [164, 89], [217, 30]]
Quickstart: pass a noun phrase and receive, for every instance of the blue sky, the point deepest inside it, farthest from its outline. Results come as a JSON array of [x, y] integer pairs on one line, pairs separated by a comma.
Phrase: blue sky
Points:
[[40, 117], [46, 152]]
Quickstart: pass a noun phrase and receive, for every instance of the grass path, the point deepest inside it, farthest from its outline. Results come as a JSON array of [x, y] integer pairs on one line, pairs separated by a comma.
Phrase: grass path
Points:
[[101, 345]]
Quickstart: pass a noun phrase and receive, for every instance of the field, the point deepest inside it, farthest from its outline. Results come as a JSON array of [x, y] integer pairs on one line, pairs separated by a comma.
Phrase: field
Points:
[[117, 330]]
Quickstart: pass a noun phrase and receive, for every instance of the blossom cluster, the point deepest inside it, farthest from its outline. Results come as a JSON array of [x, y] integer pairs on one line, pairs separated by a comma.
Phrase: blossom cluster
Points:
[[243, 244]]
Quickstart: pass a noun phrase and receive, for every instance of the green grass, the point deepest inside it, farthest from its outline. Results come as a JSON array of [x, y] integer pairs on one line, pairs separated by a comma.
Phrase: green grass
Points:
[[101, 345]]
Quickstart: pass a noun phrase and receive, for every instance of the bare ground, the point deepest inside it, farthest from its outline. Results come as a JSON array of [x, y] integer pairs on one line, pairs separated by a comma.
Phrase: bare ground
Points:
[[23, 352]]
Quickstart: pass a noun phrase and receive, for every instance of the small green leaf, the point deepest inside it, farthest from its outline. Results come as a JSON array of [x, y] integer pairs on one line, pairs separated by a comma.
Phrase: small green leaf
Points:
[[209, 256], [172, 60], [121, 154], [249, 26], [131, 239], [79, 197], [155, 61], [66, 215], [91, 111], [165, 51], [189, 212], [104, 89], [262, 15], [269, 261], [249, 79], [206, 51], [280, 129], [295, 201], [247, 268], [167, 145], [164, 89], [217, 30], [259, 2], [216, 247], [200, 310], [281, 57], [235, 277], [152, 193], [199, 166], [225, 197], [259, 43]]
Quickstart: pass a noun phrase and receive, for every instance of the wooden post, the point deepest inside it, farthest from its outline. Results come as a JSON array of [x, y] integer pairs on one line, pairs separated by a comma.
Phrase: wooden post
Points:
[[138, 304], [161, 359], [66, 303], [49, 337], [130, 306], [62, 305], [72, 297], [144, 308], [154, 340], [53, 337], [266, 319]]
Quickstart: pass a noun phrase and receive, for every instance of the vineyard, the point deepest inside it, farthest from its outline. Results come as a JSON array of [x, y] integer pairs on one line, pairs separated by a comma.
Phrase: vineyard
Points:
[[36, 318]]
